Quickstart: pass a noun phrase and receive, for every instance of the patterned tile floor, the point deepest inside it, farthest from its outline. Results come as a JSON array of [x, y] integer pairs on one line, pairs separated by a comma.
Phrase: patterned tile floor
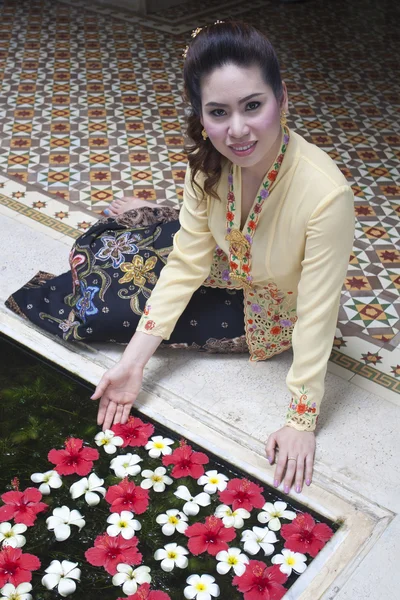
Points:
[[92, 111]]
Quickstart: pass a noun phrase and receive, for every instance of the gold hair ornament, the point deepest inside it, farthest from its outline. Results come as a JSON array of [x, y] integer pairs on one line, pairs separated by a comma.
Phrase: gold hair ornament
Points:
[[196, 32]]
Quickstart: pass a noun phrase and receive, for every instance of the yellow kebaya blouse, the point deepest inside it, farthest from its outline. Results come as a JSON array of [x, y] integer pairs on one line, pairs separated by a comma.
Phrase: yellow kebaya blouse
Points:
[[300, 250]]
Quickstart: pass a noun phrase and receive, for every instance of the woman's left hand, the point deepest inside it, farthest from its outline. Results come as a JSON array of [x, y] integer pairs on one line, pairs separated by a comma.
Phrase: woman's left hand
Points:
[[293, 444]]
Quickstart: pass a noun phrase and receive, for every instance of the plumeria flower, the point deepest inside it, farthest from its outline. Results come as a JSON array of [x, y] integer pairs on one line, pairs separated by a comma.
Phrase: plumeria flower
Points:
[[108, 440], [123, 524], [271, 513], [259, 539], [171, 520], [201, 587], [289, 561], [47, 480], [126, 465], [61, 520], [156, 479], [159, 445], [231, 559], [193, 503], [62, 575], [213, 481], [90, 486], [131, 578], [172, 555], [11, 535], [21, 592], [231, 518]]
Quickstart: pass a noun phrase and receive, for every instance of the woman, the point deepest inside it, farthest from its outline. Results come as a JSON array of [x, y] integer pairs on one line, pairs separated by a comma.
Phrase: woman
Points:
[[259, 254]]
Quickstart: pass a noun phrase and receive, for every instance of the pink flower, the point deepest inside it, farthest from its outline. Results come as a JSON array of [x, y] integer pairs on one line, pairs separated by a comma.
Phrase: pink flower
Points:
[[127, 496], [23, 507], [109, 551], [187, 462], [16, 567], [303, 535], [211, 537], [144, 593], [241, 493], [134, 432], [260, 582], [74, 459]]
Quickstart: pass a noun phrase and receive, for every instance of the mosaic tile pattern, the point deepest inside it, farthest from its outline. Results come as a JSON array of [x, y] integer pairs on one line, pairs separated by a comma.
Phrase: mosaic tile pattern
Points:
[[94, 112]]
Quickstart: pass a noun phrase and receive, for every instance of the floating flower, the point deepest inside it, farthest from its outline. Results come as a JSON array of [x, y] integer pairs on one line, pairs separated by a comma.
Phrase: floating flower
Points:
[[23, 507], [303, 535], [172, 555], [126, 465], [21, 592], [258, 539], [231, 518], [16, 567], [156, 479], [127, 496], [187, 462], [273, 512], [11, 536], [242, 493], [201, 587], [62, 575], [134, 432], [47, 480], [211, 536], [172, 520], [61, 522], [159, 445], [193, 503], [289, 561], [109, 551], [229, 559], [123, 524], [90, 486], [130, 578], [108, 440], [260, 582], [74, 459], [145, 593], [213, 481]]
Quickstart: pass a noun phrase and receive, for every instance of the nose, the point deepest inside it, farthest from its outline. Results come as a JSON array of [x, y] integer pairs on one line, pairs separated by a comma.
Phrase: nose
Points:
[[238, 129]]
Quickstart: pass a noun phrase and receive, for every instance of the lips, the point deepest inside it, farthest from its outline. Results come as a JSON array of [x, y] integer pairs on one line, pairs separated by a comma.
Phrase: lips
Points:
[[243, 149]]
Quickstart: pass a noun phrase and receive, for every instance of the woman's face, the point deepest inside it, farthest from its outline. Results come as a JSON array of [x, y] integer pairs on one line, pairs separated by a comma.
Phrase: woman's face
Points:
[[241, 115]]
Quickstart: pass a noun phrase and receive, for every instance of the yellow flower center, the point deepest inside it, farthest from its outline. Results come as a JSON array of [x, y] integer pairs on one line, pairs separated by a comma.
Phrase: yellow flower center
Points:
[[158, 445], [105, 441], [173, 520], [125, 465], [157, 478], [8, 534], [46, 478], [214, 480], [200, 587], [232, 560], [172, 554], [275, 513], [123, 524], [290, 561]]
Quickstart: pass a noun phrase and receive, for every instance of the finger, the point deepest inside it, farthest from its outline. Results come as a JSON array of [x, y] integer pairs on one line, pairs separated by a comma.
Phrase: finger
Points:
[[102, 409], [101, 387], [109, 416], [118, 414], [280, 467], [299, 474], [291, 467], [125, 414], [309, 468], [270, 448]]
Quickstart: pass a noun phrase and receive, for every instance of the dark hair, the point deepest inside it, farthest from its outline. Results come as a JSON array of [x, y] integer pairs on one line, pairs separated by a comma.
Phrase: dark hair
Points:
[[232, 42]]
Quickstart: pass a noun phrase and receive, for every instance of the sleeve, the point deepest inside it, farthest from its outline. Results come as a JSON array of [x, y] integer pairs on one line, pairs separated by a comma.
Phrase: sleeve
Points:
[[329, 240], [187, 267]]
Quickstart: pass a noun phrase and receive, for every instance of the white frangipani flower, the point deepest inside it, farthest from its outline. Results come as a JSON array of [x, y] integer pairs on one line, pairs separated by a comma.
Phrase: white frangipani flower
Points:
[[258, 539], [124, 524], [10, 535], [91, 487], [158, 445], [289, 561], [61, 520], [108, 440], [171, 520], [172, 555], [271, 513], [126, 465], [21, 592], [231, 518], [62, 575], [213, 481], [156, 479], [201, 587], [193, 503], [131, 578], [47, 480], [231, 559]]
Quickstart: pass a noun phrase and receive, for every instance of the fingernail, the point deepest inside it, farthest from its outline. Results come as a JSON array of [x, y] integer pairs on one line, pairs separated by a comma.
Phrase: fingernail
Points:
[[298, 489], [308, 481], [276, 483], [106, 211], [286, 489], [269, 459]]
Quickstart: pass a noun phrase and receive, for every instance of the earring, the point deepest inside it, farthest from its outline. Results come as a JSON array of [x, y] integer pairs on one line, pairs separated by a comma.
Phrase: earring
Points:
[[204, 134], [283, 118]]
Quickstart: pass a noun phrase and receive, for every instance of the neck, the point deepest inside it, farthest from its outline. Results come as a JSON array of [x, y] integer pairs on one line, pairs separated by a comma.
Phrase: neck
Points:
[[259, 170]]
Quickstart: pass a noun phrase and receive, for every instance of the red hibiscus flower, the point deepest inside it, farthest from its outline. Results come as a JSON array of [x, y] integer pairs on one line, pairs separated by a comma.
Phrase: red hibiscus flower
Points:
[[16, 567], [241, 493], [260, 582], [229, 216], [272, 175], [187, 462], [211, 537], [134, 433], [127, 496], [144, 593], [74, 459], [109, 551], [303, 535], [23, 507]]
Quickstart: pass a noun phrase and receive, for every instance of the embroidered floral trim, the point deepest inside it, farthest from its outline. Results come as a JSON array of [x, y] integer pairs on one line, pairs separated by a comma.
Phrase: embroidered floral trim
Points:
[[302, 413]]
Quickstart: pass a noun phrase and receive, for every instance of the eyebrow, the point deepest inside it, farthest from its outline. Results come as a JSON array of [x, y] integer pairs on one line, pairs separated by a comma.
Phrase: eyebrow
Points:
[[240, 101]]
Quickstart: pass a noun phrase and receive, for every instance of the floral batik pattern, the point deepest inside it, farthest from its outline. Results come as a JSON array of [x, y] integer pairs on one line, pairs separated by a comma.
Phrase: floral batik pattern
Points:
[[302, 413]]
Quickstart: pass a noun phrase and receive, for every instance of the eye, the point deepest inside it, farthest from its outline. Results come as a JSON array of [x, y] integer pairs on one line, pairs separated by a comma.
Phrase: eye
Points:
[[217, 110], [253, 105]]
